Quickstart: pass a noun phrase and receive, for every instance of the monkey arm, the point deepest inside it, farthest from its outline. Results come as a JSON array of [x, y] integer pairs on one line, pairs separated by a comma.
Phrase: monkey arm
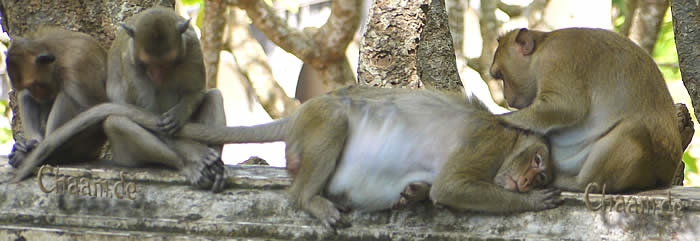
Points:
[[476, 195], [172, 120], [33, 114], [552, 109]]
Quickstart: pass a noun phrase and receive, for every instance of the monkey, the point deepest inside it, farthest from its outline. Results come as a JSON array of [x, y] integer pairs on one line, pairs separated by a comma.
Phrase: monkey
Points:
[[599, 99], [156, 63], [363, 148], [56, 74]]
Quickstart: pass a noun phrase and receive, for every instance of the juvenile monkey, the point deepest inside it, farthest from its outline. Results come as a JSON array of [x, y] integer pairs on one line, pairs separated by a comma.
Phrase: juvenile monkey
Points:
[[57, 74], [600, 100], [361, 148], [155, 63]]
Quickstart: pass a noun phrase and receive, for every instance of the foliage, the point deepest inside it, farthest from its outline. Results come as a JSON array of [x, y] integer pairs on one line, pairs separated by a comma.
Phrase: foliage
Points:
[[691, 168], [5, 131], [192, 2]]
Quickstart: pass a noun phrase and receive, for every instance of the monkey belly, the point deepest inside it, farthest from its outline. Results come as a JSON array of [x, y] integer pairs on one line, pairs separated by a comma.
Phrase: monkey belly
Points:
[[382, 157], [570, 147]]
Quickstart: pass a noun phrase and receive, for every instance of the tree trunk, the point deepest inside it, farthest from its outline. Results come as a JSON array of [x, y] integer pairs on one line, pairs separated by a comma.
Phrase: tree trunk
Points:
[[686, 29], [323, 48], [436, 63], [213, 25], [646, 23], [388, 47], [251, 58]]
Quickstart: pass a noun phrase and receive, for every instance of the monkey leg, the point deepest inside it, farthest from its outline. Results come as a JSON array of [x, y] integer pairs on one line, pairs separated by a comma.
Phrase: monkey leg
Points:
[[317, 141], [132, 145], [205, 167], [202, 164], [617, 161]]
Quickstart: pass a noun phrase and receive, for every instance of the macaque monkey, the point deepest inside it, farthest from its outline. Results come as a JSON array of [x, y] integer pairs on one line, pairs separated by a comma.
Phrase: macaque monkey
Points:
[[363, 148], [155, 63], [599, 99], [57, 74]]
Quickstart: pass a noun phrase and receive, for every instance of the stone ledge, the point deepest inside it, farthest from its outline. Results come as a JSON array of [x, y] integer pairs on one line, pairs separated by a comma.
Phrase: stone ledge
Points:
[[254, 206]]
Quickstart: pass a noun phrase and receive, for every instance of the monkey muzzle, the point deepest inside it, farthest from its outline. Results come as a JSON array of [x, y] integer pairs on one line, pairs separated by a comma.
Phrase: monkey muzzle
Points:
[[156, 73]]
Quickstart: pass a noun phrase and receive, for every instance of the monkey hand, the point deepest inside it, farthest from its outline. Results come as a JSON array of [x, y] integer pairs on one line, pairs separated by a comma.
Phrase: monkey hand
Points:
[[207, 173], [171, 121], [545, 198], [20, 151]]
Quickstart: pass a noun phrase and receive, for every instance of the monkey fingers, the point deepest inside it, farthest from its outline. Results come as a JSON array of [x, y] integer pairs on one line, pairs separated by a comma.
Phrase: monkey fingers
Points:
[[546, 198], [170, 122], [20, 150]]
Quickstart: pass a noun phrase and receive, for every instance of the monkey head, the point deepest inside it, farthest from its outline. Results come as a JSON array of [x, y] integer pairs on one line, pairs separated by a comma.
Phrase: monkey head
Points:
[[528, 167], [31, 66], [157, 42], [511, 63]]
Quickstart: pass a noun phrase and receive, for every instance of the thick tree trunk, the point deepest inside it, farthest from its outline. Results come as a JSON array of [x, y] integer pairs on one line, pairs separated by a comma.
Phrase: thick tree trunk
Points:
[[388, 47], [436, 63], [686, 29]]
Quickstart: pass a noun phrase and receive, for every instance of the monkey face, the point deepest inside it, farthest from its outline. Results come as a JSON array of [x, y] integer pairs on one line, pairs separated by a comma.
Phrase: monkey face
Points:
[[529, 168], [32, 70], [511, 63]]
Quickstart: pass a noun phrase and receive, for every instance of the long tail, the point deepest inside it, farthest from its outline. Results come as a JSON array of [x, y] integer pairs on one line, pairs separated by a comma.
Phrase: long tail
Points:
[[211, 135], [273, 131]]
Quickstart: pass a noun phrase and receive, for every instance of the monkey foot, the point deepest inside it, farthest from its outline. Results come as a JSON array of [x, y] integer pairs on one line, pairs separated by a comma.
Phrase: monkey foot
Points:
[[207, 173], [20, 151], [413, 193], [685, 125]]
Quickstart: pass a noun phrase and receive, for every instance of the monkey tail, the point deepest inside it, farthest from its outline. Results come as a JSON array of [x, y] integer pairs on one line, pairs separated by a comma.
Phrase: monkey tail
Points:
[[270, 132], [82, 121]]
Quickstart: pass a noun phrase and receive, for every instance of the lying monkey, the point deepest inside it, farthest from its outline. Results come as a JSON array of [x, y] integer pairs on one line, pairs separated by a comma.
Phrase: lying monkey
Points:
[[363, 147]]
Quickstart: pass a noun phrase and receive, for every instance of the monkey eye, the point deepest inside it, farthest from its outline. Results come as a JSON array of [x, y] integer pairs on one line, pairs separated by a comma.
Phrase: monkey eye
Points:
[[45, 58], [538, 160]]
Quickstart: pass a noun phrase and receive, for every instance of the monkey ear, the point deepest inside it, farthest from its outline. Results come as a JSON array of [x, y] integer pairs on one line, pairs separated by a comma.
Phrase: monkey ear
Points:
[[129, 30], [526, 41], [182, 26]]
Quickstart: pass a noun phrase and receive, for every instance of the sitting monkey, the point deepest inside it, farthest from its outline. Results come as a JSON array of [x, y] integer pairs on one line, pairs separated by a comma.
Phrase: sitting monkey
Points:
[[600, 100]]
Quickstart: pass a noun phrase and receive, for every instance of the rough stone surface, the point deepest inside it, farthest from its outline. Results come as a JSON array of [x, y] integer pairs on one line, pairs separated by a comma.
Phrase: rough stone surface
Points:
[[254, 206]]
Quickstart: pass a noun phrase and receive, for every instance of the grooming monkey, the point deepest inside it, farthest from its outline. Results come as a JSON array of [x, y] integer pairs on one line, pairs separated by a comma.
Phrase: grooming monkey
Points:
[[600, 100], [57, 74], [155, 63], [363, 148]]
